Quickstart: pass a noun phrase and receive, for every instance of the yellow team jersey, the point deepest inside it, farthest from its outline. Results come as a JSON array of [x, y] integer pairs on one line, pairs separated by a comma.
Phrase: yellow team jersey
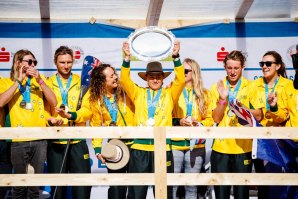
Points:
[[21, 117], [292, 106], [273, 118], [248, 96], [180, 111], [164, 107], [99, 115], [72, 100]]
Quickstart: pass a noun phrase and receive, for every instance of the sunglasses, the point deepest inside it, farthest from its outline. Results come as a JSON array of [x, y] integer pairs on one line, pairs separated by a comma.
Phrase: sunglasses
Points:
[[267, 63], [30, 61], [186, 71]]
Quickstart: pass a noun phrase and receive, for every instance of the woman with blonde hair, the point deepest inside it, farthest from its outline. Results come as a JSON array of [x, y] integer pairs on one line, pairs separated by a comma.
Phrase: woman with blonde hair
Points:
[[24, 94], [192, 109]]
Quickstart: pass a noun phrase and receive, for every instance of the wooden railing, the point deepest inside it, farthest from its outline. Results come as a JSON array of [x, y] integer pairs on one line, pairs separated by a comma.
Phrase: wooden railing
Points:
[[160, 178]]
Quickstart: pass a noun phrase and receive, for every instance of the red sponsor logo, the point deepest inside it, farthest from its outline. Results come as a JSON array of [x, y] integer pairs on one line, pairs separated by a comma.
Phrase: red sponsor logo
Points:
[[78, 54], [222, 54], [4, 56]]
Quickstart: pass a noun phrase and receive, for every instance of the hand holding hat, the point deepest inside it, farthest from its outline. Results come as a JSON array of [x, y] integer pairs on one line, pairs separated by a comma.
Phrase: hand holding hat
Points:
[[115, 154]]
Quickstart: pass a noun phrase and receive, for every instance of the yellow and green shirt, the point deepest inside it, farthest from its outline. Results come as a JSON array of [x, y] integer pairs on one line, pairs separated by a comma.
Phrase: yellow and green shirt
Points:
[[99, 116], [164, 107], [20, 117], [275, 117], [248, 96], [72, 100], [180, 111]]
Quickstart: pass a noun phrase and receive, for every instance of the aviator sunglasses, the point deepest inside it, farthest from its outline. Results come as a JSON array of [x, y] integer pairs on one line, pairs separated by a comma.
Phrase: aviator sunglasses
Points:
[[186, 71], [30, 61], [267, 63]]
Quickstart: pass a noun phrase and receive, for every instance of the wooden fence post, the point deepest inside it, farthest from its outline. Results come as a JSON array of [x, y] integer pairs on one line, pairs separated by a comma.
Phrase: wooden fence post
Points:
[[160, 160]]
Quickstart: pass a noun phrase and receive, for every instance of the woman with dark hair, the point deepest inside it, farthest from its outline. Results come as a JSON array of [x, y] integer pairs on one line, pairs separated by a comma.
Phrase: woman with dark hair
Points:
[[271, 89], [271, 85], [105, 104]]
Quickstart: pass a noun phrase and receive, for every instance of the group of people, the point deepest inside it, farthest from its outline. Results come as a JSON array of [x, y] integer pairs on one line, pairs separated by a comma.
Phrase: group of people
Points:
[[29, 99]]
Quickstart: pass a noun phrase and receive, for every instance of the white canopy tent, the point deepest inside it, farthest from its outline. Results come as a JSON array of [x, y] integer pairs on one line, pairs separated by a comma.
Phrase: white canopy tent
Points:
[[140, 13]]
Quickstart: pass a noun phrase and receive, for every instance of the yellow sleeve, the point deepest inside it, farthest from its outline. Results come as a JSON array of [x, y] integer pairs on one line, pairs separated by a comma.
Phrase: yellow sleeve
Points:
[[126, 83], [179, 81], [281, 114], [255, 97], [85, 112]]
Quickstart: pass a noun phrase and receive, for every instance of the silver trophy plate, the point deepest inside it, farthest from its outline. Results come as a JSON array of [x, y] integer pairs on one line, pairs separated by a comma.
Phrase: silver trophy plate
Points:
[[151, 43]]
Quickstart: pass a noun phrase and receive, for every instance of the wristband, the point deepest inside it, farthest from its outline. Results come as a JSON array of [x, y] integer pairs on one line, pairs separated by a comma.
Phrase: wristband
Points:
[[175, 56], [40, 82], [222, 102], [19, 81]]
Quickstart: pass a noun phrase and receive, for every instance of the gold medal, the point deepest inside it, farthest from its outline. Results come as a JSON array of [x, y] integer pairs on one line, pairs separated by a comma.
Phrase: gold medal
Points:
[[112, 124], [23, 104]]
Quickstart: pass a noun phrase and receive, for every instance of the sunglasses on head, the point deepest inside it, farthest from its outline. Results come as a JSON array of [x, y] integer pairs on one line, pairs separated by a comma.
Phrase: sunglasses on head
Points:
[[187, 71], [30, 61], [267, 63]]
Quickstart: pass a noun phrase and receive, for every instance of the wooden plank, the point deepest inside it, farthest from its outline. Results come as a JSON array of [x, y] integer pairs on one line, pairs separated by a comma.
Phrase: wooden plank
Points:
[[147, 132], [93, 179], [154, 11], [243, 9], [44, 8], [160, 163], [233, 179], [96, 179]]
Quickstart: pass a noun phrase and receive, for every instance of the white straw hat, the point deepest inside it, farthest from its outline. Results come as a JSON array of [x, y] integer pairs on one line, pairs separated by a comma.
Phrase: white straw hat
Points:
[[116, 154]]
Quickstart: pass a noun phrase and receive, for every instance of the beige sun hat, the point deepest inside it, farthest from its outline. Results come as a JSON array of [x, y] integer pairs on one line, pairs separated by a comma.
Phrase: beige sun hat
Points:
[[153, 67], [116, 154]]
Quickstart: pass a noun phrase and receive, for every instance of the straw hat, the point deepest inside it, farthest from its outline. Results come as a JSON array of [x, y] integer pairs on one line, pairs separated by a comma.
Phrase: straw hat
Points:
[[153, 67], [116, 154]]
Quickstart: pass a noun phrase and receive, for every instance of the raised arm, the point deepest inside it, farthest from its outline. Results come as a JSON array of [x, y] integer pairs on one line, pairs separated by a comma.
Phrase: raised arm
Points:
[[7, 95], [125, 80], [179, 81], [48, 93]]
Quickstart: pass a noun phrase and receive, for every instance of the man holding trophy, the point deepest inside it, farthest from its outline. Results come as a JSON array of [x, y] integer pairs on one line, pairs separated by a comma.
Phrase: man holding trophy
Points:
[[153, 107]]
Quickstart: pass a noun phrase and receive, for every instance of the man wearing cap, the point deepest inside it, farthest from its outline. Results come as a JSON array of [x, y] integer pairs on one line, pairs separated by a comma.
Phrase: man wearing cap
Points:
[[153, 107]]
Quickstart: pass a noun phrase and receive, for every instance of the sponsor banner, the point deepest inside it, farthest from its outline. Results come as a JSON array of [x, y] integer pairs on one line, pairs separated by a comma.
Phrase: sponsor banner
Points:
[[208, 44]]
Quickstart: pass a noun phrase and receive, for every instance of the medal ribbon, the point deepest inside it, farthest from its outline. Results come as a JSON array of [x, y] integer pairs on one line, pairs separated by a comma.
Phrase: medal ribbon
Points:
[[25, 91], [267, 92], [188, 101], [233, 94], [152, 103], [112, 108], [64, 91]]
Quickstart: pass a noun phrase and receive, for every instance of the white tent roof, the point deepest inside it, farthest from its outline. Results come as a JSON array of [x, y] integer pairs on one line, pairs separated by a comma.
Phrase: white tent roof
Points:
[[139, 13]]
